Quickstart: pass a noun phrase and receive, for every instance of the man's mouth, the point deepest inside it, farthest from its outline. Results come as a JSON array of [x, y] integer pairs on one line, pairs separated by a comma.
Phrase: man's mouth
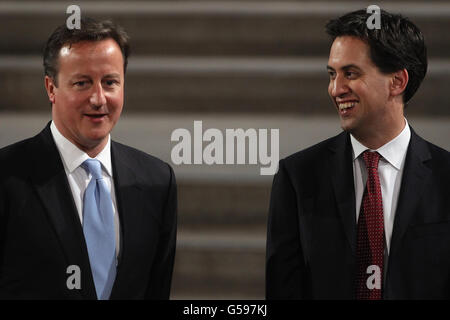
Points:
[[346, 107], [96, 117], [100, 115]]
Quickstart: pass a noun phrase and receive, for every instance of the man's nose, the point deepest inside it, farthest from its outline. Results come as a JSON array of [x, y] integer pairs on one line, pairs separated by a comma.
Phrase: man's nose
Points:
[[98, 98], [339, 86]]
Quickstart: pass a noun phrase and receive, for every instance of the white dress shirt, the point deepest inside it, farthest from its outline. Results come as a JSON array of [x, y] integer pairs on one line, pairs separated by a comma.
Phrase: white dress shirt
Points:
[[72, 158], [390, 171]]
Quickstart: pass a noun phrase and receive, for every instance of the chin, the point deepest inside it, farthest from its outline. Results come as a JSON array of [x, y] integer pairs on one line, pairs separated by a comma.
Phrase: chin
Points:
[[350, 124], [98, 132], [346, 126], [94, 138]]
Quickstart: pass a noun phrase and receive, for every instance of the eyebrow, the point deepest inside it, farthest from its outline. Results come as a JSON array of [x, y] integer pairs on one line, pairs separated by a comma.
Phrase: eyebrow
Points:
[[346, 67], [112, 75], [109, 75], [79, 75]]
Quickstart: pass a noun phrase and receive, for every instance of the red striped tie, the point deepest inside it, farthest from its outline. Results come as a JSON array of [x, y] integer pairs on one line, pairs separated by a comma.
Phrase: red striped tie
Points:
[[370, 235]]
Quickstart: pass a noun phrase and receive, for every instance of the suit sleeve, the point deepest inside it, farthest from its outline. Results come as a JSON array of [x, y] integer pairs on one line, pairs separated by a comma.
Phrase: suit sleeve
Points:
[[161, 273], [285, 268]]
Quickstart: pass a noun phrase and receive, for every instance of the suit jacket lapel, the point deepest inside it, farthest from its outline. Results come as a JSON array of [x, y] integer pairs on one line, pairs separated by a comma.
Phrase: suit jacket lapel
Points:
[[129, 204], [51, 184], [341, 169], [415, 174]]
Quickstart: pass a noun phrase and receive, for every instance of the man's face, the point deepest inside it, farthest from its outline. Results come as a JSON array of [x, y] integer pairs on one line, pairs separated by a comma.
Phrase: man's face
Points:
[[88, 100], [360, 92]]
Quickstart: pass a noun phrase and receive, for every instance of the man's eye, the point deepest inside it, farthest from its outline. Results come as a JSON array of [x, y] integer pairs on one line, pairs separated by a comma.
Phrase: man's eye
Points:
[[111, 82], [331, 74], [350, 74], [80, 83]]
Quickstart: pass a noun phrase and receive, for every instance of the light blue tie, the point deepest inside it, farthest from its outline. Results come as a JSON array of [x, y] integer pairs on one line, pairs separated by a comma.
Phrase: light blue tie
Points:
[[98, 228]]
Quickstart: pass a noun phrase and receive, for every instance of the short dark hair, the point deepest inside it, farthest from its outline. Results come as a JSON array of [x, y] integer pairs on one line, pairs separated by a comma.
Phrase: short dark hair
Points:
[[91, 30], [398, 44]]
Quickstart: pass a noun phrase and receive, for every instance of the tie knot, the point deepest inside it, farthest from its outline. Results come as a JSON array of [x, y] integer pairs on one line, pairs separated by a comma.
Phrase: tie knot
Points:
[[371, 159], [94, 167]]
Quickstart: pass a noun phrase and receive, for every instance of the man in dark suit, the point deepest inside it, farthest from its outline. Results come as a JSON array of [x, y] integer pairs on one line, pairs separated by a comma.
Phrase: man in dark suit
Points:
[[365, 214], [82, 216]]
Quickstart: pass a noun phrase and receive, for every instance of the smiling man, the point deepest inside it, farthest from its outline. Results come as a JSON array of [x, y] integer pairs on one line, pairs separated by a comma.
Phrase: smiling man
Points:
[[82, 216], [365, 214], [88, 101]]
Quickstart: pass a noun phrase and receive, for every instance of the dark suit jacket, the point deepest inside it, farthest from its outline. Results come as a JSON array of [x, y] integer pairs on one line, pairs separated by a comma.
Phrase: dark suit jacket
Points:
[[311, 240], [41, 234]]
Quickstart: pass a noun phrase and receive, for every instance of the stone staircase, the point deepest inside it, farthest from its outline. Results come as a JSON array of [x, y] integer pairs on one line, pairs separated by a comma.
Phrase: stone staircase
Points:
[[232, 64]]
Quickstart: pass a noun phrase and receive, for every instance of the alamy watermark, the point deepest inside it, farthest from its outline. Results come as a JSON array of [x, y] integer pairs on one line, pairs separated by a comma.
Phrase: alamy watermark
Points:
[[74, 20], [374, 280], [374, 21], [255, 151], [74, 279]]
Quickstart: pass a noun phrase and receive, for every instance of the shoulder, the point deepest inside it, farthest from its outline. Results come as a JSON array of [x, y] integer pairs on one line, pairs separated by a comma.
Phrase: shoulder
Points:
[[440, 159], [439, 153], [17, 155], [25, 152], [16, 163], [143, 164], [315, 155], [136, 156], [13, 150], [437, 157]]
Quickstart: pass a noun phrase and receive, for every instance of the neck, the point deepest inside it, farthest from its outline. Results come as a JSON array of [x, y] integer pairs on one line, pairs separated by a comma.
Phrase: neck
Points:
[[95, 150], [376, 138], [91, 148]]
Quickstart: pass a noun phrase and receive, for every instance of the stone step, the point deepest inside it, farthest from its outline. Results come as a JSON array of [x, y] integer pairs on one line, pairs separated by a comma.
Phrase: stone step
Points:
[[219, 264], [223, 204], [217, 84], [199, 28]]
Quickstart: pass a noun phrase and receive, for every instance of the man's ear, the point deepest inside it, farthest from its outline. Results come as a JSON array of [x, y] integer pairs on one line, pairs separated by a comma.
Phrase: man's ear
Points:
[[399, 82], [50, 87]]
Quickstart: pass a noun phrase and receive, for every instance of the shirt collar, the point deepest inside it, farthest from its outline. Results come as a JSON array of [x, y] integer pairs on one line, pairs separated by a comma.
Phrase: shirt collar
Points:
[[394, 151], [73, 157]]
